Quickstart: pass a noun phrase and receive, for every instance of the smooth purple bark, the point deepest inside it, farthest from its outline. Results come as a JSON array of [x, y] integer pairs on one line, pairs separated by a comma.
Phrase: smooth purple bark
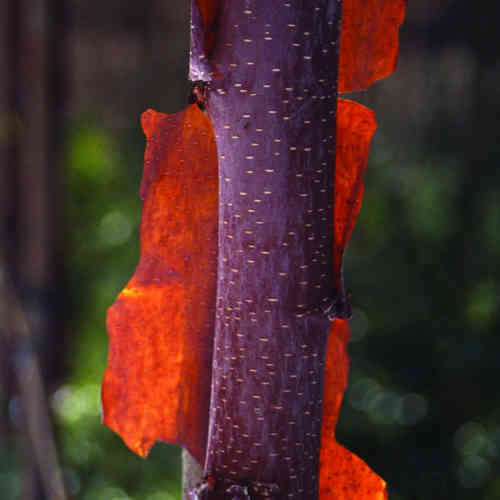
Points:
[[272, 98]]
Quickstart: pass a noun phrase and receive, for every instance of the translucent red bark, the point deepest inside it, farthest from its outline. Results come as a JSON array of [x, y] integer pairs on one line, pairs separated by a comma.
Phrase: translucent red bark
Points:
[[355, 127], [343, 475], [157, 383], [369, 41]]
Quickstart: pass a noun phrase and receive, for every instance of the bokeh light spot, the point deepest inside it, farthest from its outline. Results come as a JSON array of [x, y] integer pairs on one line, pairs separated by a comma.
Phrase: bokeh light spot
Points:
[[473, 439], [115, 228], [473, 471], [362, 392], [72, 403], [386, 408], [92, 154], [414, 407]]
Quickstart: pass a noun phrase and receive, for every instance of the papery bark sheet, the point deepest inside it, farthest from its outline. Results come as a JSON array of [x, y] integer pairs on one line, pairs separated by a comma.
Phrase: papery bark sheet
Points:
[[355, 127], [369, 42], [156, 386], [343, 475]]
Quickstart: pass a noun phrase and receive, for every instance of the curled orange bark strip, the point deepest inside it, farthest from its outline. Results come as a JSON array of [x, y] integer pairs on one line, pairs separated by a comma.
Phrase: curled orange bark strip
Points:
[[369, 41], [355, 127], [156, 385], [344, 476]]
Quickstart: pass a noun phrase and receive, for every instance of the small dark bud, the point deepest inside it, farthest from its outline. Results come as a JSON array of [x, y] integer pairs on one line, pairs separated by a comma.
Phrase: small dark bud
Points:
[[199, 94]]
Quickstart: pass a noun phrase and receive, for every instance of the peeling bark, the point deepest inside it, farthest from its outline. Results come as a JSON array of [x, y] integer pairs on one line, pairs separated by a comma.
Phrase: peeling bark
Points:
[[267, 297]]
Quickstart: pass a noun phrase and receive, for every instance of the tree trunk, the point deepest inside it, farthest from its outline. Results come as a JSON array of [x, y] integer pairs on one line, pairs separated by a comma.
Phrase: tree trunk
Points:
[[271, 95], [266, 74]]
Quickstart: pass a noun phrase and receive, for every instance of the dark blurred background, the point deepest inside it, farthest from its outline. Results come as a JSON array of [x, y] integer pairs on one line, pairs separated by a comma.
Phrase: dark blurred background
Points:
[[423, 405]]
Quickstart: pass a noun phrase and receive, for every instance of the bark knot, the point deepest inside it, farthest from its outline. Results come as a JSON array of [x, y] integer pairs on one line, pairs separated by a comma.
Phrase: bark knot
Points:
[[199, 93], [338, 307]]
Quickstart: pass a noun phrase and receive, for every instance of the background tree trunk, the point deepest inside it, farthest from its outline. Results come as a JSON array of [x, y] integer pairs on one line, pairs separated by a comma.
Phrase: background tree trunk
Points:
[[32, 112]]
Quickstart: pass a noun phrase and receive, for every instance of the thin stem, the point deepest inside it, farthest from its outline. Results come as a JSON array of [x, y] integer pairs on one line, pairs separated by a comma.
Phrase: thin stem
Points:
[[192, 473]]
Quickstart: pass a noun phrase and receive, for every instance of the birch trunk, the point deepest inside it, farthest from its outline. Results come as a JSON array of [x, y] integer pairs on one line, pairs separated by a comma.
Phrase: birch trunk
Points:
[[271, 96]]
